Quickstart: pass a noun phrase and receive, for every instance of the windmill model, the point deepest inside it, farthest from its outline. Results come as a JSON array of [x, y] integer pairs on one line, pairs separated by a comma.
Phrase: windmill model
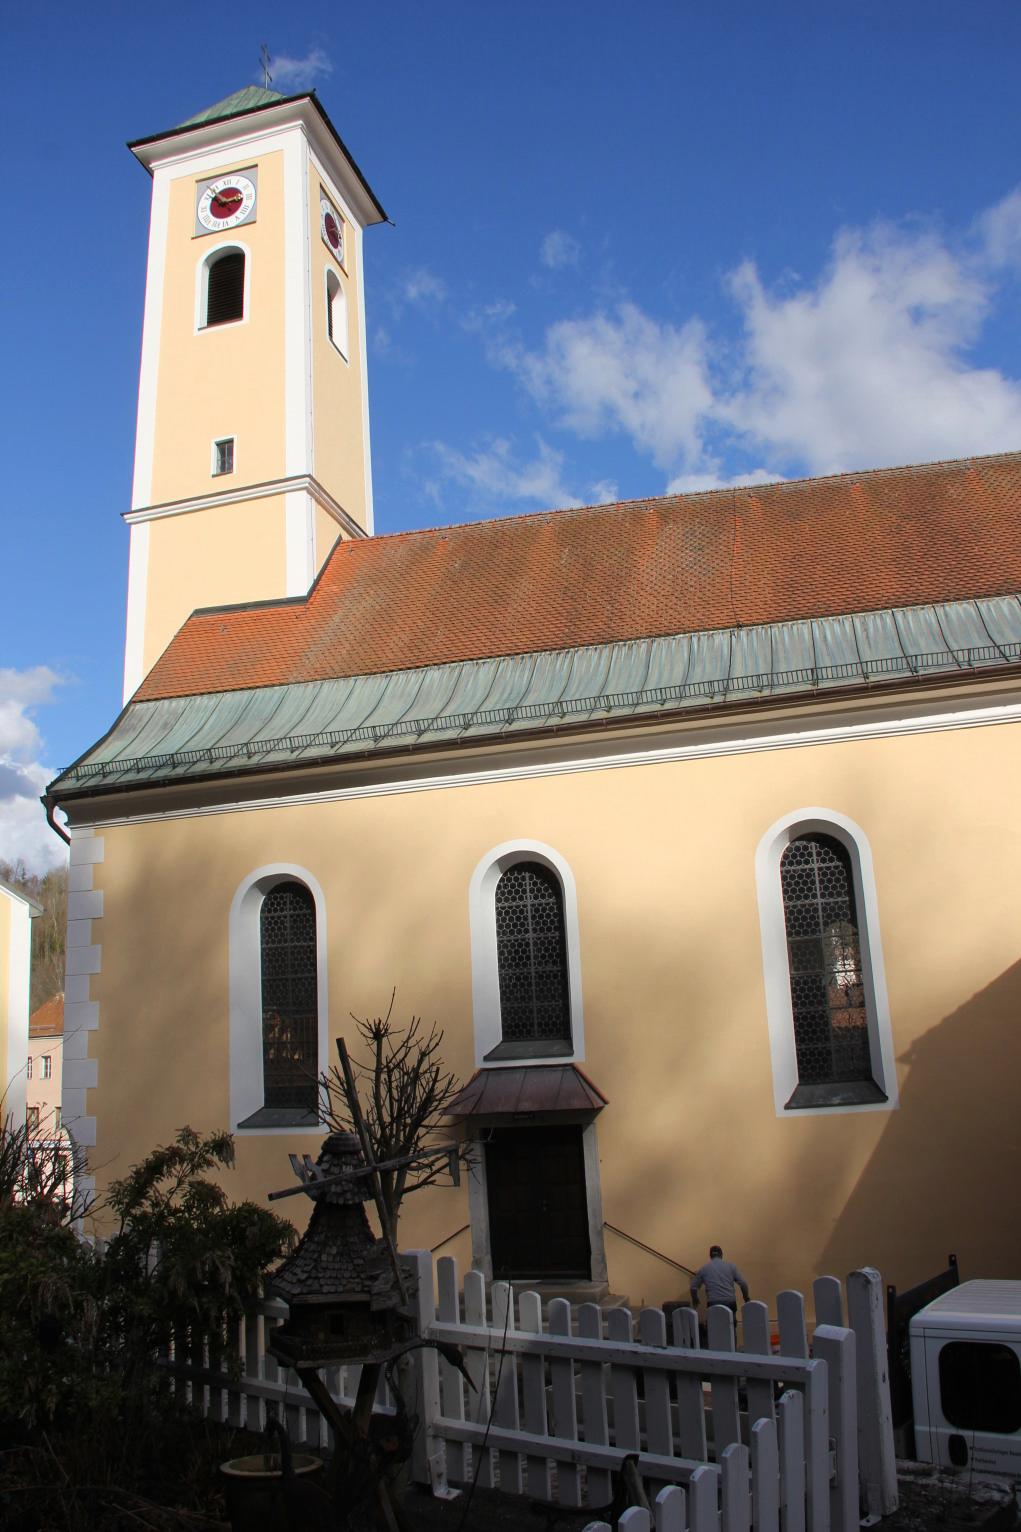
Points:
[[346, 1291]]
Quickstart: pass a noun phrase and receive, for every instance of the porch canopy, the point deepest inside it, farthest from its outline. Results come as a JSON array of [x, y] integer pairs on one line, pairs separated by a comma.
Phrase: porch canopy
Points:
[[526, 1090]]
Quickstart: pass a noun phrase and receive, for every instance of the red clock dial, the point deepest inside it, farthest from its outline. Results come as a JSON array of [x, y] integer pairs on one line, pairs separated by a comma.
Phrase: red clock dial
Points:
[[332, 230], [225, 203]]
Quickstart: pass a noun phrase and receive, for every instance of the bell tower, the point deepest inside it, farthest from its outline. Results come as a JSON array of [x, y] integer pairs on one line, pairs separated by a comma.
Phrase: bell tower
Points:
[[252, 445]]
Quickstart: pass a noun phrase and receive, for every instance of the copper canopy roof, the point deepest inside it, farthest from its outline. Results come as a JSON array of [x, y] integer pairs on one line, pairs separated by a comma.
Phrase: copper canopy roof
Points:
[[526, 1089]]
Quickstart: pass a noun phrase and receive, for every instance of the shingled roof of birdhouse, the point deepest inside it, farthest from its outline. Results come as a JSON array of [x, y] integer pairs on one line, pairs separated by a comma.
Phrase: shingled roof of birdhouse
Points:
[[338, 1259]]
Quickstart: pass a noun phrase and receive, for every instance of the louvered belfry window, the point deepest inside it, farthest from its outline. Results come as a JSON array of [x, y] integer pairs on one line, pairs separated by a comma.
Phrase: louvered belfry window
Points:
[[290, 1011], [831, 1031], [225, 289], [532, 955]]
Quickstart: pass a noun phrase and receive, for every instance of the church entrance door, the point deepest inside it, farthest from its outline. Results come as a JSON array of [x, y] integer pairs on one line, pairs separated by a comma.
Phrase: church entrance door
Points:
[[538, 1206]]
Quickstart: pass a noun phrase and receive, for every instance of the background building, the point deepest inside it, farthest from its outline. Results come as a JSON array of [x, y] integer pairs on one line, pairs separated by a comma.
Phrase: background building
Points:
[[45, 1067], [16, 915]]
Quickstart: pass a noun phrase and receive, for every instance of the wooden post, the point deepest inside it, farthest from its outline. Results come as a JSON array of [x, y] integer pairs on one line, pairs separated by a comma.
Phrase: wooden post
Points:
[[451, 1380], [427, 1446], [877, 1454], [816, 1448], [829, 1301], [726, 1413], [374, 1181], [565, 1403], [835, 1346], [765, 1477]]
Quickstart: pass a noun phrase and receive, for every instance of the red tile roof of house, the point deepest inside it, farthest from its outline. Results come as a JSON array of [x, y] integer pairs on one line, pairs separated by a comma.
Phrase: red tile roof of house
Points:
[[680, 563], [47, 1020]]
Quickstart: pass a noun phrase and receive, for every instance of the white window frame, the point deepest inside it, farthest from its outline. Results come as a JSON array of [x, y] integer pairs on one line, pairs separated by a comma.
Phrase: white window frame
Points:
[[336, 306], [46, 1073], [485, 968], [202, 286], [775, 965], [247, 1092]]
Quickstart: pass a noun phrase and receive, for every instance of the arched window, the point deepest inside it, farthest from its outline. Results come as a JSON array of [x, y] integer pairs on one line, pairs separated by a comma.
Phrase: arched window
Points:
[[831, 1034], [279, 1005], [290, 1020], [829, 1023], [532, 956], [526, 955], [224, 288], [336, 312]]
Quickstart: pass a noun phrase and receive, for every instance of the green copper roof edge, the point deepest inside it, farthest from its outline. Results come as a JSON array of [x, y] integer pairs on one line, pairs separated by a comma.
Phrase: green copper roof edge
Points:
[[494, 722], [247, 99], [303, 95]]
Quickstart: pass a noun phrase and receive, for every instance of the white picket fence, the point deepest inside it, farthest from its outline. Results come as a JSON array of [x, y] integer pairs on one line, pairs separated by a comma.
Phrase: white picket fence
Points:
[[728, 1439], [555, 1407]]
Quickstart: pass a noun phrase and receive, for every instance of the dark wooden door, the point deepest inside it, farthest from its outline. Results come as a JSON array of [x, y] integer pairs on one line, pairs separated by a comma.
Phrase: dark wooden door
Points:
[[538, 1210]]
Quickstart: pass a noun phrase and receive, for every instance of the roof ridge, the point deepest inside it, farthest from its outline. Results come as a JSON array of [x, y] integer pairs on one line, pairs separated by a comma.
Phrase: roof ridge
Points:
[[684, 494]]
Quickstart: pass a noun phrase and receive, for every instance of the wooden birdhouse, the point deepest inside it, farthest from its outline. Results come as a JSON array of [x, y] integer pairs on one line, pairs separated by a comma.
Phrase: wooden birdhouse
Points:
[[339, 1282]]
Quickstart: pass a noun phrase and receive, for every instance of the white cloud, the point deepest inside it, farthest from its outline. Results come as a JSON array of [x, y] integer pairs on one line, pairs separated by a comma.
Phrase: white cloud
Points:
[[497, 477], [695, 483], [604, 492], [424, 286], [300, 73], [24, 833], [868, 362], [623, 371], [999, 229], [559, 249]]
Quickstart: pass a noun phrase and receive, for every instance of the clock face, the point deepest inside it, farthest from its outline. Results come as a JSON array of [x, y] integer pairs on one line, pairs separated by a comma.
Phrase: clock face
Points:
[[332, 227], [225, 203]]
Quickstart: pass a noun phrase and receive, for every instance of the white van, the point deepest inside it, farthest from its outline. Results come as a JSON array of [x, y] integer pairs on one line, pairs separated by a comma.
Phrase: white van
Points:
[[966, 1378]]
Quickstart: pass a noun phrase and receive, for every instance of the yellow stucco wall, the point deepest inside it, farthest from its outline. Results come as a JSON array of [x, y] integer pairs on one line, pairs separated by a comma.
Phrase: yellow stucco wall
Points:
[[188, 554], [663, 855], [227, 380], [338, 426]]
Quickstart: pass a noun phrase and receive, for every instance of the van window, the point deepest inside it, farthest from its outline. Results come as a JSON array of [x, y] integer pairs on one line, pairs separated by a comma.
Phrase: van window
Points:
[[980, 1386]]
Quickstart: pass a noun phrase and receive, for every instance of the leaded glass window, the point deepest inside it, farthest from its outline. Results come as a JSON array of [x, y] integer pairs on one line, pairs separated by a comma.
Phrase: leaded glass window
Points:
[[831, 1031], [290, 1009], [532, 955]]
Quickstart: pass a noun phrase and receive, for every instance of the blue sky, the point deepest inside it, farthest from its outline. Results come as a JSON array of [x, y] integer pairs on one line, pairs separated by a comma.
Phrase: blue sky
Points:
[[635, 248]]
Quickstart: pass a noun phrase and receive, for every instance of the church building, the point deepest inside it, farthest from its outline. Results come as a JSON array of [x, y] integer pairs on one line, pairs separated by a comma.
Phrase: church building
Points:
[[694, 821]]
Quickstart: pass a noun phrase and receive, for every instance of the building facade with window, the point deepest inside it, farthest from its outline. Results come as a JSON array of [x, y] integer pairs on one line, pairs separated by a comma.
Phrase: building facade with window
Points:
[[16, 915], [45, 1073], [693, 821]]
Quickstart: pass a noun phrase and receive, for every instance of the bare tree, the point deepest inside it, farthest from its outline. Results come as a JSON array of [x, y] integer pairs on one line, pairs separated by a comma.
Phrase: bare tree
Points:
[[404, 1092]]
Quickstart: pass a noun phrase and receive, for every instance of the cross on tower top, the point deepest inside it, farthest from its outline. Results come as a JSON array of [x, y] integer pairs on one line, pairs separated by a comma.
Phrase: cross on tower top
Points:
[[265, 61]]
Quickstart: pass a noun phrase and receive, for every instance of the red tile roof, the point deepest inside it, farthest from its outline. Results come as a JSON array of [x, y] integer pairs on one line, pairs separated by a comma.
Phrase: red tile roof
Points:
[[677, 564], [47, 1020]]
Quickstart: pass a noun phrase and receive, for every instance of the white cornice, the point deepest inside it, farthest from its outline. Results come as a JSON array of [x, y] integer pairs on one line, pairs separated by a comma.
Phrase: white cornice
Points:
[[410, 775], [300, 481], [186, 152]]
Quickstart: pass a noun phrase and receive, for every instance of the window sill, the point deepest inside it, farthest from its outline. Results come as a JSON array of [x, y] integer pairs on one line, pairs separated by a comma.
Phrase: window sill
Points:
[[531, 1048], [280, 1117], [836, 1093]]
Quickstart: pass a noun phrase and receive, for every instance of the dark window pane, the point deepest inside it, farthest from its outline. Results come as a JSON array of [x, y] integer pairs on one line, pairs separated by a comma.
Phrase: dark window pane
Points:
[[980, 1386], [225, 292], [290, 1013], [531, 954], [824, 959]]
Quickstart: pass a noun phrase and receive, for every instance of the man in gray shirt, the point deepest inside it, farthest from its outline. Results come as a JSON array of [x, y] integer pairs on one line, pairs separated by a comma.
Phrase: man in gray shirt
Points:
[[718, 1277]]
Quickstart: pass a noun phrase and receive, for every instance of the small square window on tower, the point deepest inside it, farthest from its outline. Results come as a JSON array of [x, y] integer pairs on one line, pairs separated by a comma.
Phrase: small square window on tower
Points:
[[223, 455]]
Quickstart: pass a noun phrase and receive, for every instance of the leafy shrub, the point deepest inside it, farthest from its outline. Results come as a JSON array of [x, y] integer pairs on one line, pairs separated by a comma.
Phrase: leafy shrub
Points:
[[79, 1375]]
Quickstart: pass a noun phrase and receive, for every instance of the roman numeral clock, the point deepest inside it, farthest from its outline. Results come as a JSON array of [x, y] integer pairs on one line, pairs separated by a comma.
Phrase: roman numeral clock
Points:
[[225, 203]]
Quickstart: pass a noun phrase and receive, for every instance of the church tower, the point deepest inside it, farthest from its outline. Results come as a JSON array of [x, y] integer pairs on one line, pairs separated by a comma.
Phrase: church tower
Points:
[[252, 446]]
